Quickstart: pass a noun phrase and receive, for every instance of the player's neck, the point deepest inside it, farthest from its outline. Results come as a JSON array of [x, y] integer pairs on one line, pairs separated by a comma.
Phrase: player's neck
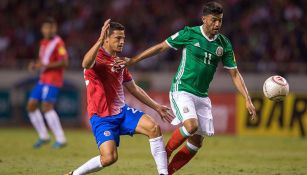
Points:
[[109, 50], [206, 32], [49, 37]]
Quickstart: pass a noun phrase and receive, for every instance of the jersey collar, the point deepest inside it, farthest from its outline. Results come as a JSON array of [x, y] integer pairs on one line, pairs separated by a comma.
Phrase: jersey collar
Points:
[[202, 32]]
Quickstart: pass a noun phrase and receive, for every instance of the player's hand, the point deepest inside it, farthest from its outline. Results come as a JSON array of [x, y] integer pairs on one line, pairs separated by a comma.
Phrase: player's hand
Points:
[[31, 66], [122, 62], [35, 66], [251, 109], [104, 30], [164, 113]]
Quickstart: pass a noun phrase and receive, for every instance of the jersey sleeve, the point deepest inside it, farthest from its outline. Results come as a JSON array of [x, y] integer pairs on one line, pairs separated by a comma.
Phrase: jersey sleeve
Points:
[[229, 60], [179, 39], [61, 51], [126, 75]]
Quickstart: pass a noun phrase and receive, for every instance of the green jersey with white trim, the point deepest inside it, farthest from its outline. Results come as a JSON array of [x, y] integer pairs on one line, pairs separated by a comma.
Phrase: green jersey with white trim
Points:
[[200, 58]]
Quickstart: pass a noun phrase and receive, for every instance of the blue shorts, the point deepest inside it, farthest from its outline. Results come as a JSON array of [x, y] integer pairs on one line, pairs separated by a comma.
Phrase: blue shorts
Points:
[[111, 127], [44, 92]]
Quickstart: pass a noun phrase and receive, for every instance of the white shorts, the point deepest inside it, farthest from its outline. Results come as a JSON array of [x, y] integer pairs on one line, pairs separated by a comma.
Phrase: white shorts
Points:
[[186, 106]]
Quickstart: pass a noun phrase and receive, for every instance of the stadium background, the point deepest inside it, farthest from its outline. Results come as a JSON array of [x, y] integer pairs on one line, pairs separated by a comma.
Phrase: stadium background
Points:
[[269, 37]]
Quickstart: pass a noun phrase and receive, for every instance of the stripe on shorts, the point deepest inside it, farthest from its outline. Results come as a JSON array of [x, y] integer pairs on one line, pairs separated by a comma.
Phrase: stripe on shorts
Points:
[[176, 108]]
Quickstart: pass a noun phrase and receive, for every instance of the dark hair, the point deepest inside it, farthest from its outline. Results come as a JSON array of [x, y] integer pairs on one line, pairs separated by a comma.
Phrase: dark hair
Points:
[[115, 26], [49, 20], [212, 8]]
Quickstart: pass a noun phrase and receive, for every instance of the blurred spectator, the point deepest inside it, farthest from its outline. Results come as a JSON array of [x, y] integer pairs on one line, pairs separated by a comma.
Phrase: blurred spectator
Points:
[[267, 35]]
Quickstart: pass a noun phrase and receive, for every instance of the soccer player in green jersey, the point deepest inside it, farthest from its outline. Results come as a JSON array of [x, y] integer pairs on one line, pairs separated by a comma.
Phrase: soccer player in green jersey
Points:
[[203, 47]]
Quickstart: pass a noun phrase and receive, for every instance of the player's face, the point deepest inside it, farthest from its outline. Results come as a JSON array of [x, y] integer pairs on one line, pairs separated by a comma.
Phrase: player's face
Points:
[[213, 23], [116, 40], [48, 30]]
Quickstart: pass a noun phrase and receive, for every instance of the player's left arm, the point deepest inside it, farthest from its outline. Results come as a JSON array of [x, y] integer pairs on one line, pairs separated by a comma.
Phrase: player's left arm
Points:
[[240, 85], [141, 95]]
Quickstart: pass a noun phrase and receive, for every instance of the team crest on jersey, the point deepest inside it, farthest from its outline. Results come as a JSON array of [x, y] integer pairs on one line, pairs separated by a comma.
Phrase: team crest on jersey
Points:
[[219, 51], [185, 109], [107, 133]]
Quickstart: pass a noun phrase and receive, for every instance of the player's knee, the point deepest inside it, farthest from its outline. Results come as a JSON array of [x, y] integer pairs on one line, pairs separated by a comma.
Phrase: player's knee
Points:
[[109, 159], [47, 107], [154, 130], [191, 126], [31, 106]]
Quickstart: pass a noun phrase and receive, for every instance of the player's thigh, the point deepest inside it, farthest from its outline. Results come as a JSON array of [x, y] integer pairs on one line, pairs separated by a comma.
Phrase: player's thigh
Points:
[[183, 107], [35, 97], [105, 129], [196, 140], [205, 118], [135, 122], [32, 104], [49, 93], [108, 152], [148, 127]]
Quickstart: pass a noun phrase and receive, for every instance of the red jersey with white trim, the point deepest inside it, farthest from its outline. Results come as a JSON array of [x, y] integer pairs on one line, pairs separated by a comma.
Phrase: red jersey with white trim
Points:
[[52, 50], [105, 93]]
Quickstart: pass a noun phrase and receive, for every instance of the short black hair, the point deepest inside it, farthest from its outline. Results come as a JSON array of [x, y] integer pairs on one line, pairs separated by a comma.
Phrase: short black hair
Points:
[[212, 8], [49, 20], [115, 26]]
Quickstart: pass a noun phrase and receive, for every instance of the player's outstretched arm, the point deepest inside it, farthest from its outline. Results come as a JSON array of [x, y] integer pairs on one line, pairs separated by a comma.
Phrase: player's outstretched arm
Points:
[[141, 95], [154, 50], [240, 85], [90, 56]]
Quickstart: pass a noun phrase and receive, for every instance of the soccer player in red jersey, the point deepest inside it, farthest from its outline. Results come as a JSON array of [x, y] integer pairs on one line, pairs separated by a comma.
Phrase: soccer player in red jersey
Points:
[[52, 60], [109, 116]]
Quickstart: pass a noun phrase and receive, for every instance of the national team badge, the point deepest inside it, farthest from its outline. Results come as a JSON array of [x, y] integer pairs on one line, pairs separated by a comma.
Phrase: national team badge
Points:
[[219, 51], [107, 133], [185, 109]]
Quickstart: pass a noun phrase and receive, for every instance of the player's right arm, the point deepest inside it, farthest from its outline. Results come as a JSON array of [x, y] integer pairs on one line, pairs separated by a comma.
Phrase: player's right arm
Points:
[[154, 50], [175, 41], [89, 58]]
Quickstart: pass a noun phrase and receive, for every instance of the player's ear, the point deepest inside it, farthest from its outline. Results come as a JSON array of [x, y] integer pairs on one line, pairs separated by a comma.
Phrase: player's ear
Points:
[[203, 19]]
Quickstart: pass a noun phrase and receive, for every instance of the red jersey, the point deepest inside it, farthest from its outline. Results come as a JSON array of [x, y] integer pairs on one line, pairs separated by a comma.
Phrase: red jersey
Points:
[[52, 50], [105, 93]]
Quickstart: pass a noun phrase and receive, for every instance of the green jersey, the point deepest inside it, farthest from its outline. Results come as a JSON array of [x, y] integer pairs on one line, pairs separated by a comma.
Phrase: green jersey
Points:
[[200, 58]]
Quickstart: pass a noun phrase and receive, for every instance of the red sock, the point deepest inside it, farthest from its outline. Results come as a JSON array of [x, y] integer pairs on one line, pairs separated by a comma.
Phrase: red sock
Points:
[[180, 159], [177, 138]]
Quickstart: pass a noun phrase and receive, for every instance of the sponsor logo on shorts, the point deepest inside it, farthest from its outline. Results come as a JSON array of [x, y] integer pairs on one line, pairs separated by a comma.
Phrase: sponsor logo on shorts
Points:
[[185, 110], [107, 133]]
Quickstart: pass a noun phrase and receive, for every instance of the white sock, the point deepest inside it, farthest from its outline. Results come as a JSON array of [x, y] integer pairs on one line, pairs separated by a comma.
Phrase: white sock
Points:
[[37, 121], [90, 166], [159, 154], [55, 125]]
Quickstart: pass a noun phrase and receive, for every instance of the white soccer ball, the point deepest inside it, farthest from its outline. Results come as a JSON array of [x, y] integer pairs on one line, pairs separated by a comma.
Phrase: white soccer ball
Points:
[[276, 88]]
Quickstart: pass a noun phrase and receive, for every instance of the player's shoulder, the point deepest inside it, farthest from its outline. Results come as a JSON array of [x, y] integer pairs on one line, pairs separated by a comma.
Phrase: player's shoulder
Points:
[[224, 40], [194, 29], [60, 39]]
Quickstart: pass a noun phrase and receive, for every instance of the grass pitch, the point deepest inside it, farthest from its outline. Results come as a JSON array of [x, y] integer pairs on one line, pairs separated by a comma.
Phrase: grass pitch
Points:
[[220, 155]]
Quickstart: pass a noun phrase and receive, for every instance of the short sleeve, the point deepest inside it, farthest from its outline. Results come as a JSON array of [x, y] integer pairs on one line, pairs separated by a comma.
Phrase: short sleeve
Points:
[[229, 60], [61, 51], [126, 75], [179, 39]]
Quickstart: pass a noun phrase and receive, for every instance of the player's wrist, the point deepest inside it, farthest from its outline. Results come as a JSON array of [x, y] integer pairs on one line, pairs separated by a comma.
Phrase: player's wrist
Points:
[[248, 99]]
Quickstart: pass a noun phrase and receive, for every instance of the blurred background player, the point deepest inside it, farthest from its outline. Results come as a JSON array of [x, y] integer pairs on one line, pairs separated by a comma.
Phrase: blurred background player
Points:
[[109, 116], [53, 58], [203, 48]]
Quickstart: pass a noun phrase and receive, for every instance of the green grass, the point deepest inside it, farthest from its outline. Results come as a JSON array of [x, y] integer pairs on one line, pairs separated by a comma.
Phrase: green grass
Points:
[[220, 155]]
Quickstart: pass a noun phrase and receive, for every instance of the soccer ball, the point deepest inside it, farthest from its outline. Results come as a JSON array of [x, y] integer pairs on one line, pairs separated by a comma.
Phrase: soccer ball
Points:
[[276, 88]]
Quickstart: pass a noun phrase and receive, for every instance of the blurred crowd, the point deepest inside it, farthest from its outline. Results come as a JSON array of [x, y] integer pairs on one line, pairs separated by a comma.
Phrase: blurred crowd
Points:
[[267, 35]]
